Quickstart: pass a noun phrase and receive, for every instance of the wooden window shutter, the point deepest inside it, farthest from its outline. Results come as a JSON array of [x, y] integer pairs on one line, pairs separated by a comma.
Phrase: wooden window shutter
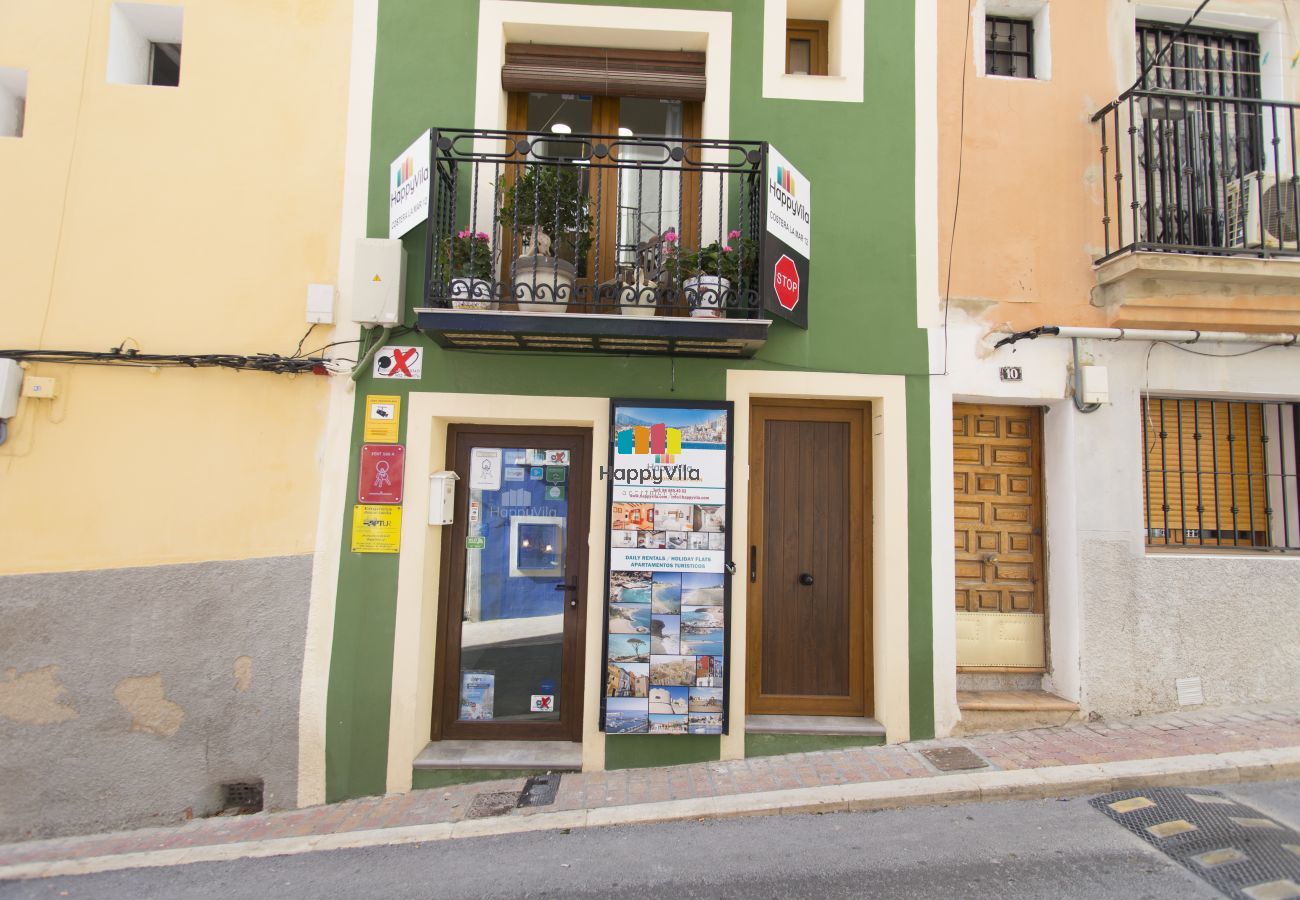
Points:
[[1216, 472], [604, 72]]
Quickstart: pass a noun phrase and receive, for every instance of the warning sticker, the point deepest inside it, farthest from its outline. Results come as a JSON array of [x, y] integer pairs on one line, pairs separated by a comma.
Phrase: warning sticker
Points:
[[383, 412]]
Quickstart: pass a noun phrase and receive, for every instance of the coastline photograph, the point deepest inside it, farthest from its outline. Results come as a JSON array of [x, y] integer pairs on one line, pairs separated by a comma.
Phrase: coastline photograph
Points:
[[702, 589], [626, 716], [629, 618], [665, 634], [701, 429], [704, 723], [628, 648], [667, 593], [667, 724], [701, 618], [709, 641], [705, 700], [629, 587]]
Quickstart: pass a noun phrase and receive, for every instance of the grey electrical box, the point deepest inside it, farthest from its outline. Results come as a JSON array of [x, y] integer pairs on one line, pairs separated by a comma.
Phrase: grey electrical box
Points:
[[11, 387], [378, 282]]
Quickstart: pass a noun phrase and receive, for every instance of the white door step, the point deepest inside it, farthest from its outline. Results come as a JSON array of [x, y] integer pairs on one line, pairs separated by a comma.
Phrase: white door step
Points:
[[831, 725], [551, 756], [1014, 701]]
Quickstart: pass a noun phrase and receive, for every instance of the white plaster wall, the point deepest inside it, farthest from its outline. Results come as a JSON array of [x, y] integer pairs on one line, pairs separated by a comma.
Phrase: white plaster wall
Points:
[[1124, 623]]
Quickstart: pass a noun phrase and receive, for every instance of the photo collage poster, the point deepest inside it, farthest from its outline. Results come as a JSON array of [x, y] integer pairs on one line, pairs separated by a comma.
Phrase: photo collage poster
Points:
[[666, 612]]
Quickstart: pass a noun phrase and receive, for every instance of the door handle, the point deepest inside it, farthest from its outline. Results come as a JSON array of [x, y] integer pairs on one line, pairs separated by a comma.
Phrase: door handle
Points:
[[806, 579], [753, 563], [570, 588], [990, 558]]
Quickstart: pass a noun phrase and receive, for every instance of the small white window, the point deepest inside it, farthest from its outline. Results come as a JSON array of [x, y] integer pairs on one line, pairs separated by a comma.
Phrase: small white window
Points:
[[13, 101], [1012, 39], [144, 44], [813, 49]]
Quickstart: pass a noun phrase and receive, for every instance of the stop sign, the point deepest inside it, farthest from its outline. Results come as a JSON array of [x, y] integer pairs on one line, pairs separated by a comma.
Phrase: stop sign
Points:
[[785, 279]]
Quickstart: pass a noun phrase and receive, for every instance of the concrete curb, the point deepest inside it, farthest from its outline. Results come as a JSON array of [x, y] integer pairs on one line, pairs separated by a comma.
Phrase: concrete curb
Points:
[[968, 787]]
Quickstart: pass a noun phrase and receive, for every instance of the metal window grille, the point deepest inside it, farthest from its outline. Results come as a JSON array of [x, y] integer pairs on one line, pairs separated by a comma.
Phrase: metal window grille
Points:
[[1008, 47], [1220, 474]]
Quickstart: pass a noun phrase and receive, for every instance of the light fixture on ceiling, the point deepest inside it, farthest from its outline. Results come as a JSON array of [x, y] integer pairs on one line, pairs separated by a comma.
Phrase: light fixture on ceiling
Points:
[[561, 128], [623, 131]]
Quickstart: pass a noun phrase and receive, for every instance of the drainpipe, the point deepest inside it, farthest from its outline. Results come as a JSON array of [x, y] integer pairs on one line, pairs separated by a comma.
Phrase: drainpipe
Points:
[[1280, 339], [364, 361]]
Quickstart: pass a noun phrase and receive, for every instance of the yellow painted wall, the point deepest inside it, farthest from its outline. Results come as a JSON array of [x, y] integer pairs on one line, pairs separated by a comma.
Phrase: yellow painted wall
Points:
[[185, 219], [1029, 218]]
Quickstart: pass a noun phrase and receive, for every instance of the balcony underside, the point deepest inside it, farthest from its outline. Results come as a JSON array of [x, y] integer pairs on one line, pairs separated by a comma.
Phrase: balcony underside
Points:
[[1144, 289], [463, 329]]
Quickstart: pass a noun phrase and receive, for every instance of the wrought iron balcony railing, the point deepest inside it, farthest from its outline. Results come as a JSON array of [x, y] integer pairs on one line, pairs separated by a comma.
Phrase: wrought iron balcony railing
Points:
[[1185, 172], [596, 224]]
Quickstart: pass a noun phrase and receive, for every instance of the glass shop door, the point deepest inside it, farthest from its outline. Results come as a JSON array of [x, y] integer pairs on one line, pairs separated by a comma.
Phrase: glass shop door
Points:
[[514, 570]]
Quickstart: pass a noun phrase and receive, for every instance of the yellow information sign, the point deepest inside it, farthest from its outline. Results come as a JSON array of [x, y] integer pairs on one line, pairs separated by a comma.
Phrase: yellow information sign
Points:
[[383, 413], [376, 529]]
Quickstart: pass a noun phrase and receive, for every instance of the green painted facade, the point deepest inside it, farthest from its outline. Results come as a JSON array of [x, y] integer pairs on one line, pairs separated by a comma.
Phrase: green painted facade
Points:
[[862, 318]]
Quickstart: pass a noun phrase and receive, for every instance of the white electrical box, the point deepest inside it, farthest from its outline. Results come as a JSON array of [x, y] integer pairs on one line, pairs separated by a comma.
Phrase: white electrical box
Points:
[[320, 304], [40, 387], [442, 497], [1096, 384], [379, 282], [11, 386]]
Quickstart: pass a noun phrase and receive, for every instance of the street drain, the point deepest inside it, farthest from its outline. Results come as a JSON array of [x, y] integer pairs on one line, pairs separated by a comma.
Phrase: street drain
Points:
[[954, 759], [497, 803], [539, 790], [1233, 847]]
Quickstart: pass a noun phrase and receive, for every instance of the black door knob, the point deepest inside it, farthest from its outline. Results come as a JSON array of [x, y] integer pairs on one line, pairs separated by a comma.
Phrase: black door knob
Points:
[[805, 579]]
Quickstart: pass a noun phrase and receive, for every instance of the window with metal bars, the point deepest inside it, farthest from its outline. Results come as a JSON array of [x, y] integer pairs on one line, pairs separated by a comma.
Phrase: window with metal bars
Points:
[[1008, 47], [1220, 474]]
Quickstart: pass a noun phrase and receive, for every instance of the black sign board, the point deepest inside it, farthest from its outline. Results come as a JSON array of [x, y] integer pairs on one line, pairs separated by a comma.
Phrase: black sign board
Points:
[[787, 239]]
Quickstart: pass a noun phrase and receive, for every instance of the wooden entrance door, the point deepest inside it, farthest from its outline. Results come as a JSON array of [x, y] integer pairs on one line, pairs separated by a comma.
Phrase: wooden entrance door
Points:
[[998, 508], [514, 563], [809, 563]]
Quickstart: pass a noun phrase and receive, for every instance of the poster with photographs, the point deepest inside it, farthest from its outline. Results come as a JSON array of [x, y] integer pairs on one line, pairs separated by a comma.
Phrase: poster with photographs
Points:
[[666, 611]]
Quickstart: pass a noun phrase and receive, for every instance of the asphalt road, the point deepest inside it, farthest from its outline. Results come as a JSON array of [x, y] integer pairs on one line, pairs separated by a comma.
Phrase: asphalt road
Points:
[[1032, 849]]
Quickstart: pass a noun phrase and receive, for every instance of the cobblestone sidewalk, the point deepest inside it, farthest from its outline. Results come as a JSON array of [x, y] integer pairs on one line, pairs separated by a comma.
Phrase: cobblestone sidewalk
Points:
[[1181, 735]]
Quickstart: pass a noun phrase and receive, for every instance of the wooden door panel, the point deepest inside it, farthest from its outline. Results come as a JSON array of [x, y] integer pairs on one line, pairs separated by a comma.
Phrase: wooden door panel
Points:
[[997, 508], [807, 642]]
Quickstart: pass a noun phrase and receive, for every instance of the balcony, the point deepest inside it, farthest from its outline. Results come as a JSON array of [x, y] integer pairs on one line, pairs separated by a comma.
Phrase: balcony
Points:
[[1199, 214], [594, 243]]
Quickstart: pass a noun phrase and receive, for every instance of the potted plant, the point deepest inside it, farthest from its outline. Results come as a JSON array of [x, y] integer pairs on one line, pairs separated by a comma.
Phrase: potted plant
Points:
[[467, 258], [708, 273], [548, 207]]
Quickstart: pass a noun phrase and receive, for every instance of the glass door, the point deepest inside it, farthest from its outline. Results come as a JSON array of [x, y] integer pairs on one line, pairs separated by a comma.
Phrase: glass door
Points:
[[512, 598]]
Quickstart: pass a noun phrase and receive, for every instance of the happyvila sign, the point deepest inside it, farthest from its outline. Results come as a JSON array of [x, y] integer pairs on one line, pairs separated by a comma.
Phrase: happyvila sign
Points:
[[787, 239]]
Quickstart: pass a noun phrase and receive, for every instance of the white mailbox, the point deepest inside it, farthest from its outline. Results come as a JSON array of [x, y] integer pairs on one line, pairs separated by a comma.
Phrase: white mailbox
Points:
[[442, 497]]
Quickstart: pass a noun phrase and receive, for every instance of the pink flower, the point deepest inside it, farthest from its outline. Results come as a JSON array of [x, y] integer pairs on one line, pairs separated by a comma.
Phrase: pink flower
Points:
[[463, 234], [726, 249], [670, 236], [732, 235], [482, 236]]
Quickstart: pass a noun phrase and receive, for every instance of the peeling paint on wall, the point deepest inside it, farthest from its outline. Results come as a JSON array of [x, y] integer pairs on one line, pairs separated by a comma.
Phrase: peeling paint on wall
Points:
[[243, 673], [34, 698], [145, 698]]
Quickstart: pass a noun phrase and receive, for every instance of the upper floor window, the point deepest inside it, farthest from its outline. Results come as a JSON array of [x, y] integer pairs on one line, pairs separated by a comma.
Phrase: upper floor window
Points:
[[1008, 47], [13, 101], [1220, 474], [807, 47], [144, 44]]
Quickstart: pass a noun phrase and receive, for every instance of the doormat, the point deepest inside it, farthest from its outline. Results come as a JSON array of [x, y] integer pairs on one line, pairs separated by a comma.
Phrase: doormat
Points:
[[954, 759], [539, 790], [497, 803], [1239, 850]]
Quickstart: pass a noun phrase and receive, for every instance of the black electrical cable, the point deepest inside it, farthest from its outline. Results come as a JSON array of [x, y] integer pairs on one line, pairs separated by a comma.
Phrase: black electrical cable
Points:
[[258, 362]]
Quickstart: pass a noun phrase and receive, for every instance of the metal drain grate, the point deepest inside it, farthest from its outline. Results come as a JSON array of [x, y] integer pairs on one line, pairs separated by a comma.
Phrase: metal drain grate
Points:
[[539, 790], [239, 797], [497, 803], [954, 759], [1228, 844]]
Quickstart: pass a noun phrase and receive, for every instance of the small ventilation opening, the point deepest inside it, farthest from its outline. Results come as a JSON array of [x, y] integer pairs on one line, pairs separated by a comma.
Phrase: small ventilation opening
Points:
[[241, 797]]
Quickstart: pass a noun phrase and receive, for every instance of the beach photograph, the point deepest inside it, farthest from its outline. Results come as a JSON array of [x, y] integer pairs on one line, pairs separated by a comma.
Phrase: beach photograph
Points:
[[628, 648], [705, 700], [627, 679], [668, 724], [629, 618], [709, 641], [667, 593], [709, 518], [701, 618], [702, 589], [704, 723], [632, 516], [671, 700], [629, 587], [672, 670], [665, 634], [701, 429], [625, 716], [673, 516]]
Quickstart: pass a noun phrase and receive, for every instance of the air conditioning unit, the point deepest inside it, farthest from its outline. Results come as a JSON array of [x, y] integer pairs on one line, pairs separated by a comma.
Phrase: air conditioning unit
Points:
[[1261, 212]]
